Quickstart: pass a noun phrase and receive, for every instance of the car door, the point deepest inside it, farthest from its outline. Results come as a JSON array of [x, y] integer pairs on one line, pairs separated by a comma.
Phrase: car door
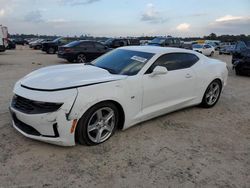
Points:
[[87, 48], [100, 49], [175, 88], [237, 52]]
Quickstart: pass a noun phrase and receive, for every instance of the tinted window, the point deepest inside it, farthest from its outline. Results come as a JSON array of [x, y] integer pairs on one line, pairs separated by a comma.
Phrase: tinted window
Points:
[[175, 61], [72, 44], [87, 45], [99, 46], [158, 41], [207, 46], [197, 46], [124, 62]]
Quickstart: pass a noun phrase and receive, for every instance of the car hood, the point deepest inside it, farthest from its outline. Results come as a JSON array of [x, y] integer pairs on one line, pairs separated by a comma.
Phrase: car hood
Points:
[[61, 77]]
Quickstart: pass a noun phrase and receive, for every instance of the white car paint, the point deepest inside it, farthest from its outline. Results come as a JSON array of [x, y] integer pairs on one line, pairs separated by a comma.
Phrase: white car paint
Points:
[[142, 96], [205, 49]]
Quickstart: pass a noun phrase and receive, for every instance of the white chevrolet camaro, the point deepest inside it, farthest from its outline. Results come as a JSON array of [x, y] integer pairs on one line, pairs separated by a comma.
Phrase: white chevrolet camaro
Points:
[[87, 103]]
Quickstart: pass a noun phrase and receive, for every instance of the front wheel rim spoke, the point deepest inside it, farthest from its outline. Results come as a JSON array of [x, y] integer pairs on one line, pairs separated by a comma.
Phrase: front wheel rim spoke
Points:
[[99, 115], [93, 127], [99, 135], [109, 116]]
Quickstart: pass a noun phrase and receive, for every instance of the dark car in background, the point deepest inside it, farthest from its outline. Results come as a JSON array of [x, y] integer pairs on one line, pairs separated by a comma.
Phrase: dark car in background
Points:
[[119, 42], [82, 51], [20, 41], [241, 50], [51, 47], [37, 44], [11, 44], [241, 58], [166, 42], [228, 49]]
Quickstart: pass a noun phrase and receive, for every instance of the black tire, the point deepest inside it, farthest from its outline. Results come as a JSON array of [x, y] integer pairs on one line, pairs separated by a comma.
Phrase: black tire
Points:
[[81, 134], [51, 51], [212, 53], [204, 102], [238, 72], [81, 58]]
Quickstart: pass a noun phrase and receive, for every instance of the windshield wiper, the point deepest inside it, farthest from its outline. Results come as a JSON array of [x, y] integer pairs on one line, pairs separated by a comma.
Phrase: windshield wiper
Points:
[[88, 63], [111, 71]]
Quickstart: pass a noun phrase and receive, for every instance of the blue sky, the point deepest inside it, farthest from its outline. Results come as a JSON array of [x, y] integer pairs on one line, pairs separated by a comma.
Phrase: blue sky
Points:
[[126, 17]]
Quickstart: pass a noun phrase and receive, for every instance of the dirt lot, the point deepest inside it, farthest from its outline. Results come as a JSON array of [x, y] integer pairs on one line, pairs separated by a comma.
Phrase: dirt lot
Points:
[[194, 147]]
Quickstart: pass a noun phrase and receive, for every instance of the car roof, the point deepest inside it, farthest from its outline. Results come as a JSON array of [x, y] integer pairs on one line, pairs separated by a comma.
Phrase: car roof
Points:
[[157, 49]]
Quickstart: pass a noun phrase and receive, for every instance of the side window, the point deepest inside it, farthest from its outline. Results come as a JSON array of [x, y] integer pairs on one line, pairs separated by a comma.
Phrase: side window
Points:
[[86, 45], [62, 41], [99, 46], [207, 46], [174, 61]]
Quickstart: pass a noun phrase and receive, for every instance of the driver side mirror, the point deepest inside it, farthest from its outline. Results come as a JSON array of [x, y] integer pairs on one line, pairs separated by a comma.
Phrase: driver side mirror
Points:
[[158, 70]]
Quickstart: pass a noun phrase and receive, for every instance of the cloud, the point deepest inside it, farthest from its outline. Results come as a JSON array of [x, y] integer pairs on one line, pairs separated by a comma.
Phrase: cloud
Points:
[[228, 18], [152, 15], [2, 12], [34, 17], [77, 2], [183, 27], [230, 25]]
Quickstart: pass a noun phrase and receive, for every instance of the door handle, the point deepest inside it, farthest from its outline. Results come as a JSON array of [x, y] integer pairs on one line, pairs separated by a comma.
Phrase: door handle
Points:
[[188, 75]]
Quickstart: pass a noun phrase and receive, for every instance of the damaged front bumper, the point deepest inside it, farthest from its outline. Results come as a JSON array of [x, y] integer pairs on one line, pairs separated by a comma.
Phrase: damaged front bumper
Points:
[[51, 127]]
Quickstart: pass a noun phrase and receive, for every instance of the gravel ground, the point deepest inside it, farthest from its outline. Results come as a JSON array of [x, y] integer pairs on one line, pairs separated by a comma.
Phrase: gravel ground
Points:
[[193, 147]]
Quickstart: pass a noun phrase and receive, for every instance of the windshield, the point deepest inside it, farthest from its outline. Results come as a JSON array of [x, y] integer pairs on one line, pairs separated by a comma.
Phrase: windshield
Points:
[[123, 62], [197, 46], [57, 39], [158, 41], [109, 41], [72, 44]]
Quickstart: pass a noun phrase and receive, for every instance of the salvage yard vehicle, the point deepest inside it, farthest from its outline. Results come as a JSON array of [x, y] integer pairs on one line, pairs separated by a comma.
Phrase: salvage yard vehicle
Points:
[[228, 49], [51, 47], [37, 44], [240, 51], [87, 103], [241, 58], [82, 51], [166, 42], [204, 49]]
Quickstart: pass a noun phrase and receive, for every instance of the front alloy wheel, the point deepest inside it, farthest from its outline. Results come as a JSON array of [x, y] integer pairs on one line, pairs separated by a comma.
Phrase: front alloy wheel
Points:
[[212, 94], [81, 58], [98, 124]]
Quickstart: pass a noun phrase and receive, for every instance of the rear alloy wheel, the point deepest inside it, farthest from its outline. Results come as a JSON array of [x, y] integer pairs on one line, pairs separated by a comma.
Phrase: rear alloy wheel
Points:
[[212, 94], [81, 58], [98, 124]]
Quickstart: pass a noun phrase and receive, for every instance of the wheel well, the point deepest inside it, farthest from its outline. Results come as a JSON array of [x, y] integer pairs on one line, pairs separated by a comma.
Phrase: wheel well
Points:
[[120, 111], [219, 81]]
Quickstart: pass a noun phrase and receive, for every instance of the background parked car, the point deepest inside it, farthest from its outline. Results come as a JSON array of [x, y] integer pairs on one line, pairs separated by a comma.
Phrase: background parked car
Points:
[[241, 50], [20, 41], [11, 44], [116, 43], [82, 51], [227, 49], [166, 42], [38, 43], [52, 46], [204, 49]]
